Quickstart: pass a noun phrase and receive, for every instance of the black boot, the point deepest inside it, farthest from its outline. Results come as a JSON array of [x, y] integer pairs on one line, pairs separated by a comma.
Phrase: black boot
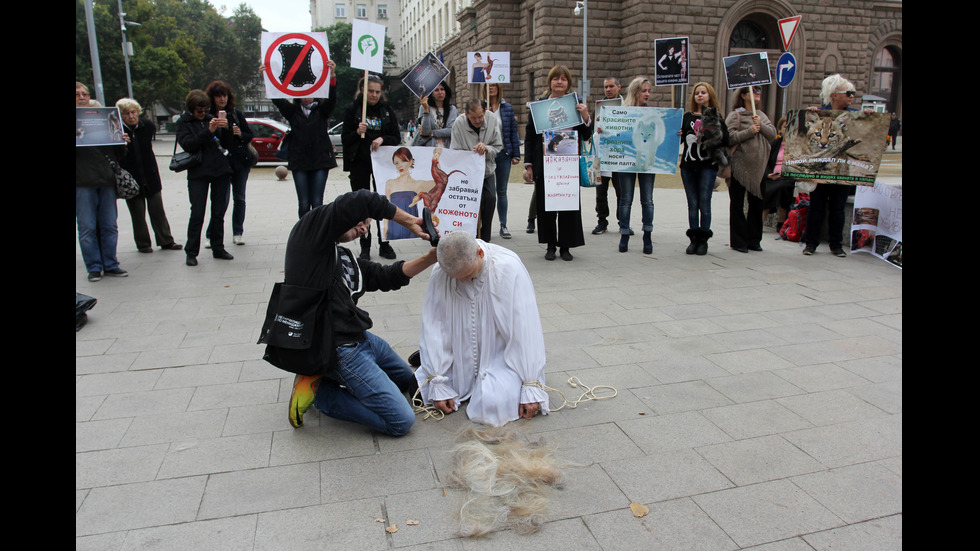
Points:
[[703, 237], [647, 243], [693, 235], [365, 247], [624, 240]]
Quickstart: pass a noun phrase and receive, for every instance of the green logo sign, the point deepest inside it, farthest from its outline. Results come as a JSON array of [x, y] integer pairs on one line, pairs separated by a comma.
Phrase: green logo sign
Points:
[[368, 45]]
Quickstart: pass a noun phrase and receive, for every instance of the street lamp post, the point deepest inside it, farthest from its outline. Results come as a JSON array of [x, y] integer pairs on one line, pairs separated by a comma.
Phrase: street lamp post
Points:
[[582, 8], [127, 47]]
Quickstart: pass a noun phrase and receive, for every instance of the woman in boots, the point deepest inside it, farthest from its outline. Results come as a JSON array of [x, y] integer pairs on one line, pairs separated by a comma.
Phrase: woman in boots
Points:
[[698, 167]]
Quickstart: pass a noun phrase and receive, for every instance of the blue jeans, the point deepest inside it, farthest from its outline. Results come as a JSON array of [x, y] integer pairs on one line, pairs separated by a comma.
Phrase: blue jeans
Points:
[[375, 378], [310, 185], [95, 214], [502, 173], [699, 183], [627, 185]]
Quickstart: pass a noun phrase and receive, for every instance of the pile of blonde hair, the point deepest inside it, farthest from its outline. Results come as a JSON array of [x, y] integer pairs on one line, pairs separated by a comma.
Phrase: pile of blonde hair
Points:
[[505, 480]]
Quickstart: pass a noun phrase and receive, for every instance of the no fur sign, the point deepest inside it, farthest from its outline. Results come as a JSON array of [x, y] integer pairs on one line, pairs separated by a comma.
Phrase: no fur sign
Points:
[[295, 64]]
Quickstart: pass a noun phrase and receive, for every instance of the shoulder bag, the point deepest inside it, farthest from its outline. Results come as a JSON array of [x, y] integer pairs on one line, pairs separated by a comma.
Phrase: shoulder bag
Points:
[[184, 160], [297, 336], [126, 186]]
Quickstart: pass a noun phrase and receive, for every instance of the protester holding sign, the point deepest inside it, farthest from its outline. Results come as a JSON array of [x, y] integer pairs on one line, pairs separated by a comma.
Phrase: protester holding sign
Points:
[[360, 137], [311, 153], [558, 229], [436, 117], [637, 95], [509, 155], [750, 131], [705, 141], [830, 200]]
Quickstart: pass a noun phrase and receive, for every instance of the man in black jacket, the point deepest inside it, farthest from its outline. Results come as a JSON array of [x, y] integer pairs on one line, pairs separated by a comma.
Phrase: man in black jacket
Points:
[[366, 379]]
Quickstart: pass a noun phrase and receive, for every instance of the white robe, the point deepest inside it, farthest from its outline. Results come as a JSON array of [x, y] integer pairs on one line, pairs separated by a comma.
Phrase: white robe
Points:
[[482, 340]]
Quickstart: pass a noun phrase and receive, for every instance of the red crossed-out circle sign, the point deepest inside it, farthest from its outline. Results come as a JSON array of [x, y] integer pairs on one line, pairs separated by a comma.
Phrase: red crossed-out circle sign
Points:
[[308, 43]]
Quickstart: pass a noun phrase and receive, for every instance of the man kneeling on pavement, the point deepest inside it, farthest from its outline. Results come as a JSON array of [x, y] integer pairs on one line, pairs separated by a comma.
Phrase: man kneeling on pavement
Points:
[[481, 334]]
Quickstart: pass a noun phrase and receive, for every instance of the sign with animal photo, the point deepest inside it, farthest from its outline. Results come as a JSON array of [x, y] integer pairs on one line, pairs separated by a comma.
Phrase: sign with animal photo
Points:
[[877, 225], [488, 67], [555, 113], [98, 126], [425, 76], [838, 147], [639, 139], [447, 181], [747, 70]]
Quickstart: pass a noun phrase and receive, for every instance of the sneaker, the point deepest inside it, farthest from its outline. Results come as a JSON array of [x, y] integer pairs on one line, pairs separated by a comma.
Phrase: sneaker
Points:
[[838, 251], [600, 229], [504, 233], [304, 391], [385, 251], [117, 272], [809, 249], [237, 239], [95, 276]]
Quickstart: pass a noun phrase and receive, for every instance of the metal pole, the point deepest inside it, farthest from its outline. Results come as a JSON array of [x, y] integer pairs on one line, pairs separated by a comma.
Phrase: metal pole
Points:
[[125, 50], [585, 48], [93, 48]]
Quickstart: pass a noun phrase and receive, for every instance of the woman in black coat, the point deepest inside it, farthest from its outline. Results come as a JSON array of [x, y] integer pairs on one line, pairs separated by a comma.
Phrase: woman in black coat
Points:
[[197, 131], [142, 164], [311, 154], [240, 156], [568, 232]]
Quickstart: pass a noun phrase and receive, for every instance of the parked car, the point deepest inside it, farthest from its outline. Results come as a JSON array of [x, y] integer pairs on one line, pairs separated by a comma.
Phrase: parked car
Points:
[[338, 146], [268, 134]]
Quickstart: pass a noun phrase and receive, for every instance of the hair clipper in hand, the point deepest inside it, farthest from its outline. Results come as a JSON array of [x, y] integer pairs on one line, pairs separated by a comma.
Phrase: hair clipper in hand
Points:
[[429, 227]]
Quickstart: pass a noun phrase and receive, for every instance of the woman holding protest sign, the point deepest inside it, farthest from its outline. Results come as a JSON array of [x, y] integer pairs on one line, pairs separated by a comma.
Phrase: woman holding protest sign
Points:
[[704, 141], [750, 131], [436, 117], [560, 230], [360, 137], [311, 154], [637, 95]]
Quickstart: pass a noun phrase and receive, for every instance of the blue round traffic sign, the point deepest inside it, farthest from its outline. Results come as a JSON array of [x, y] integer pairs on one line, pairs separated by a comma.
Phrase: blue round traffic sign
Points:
[[785, 69]]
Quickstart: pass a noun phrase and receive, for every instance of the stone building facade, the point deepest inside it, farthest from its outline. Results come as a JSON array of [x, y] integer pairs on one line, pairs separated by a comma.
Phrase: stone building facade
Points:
[[861, 40]]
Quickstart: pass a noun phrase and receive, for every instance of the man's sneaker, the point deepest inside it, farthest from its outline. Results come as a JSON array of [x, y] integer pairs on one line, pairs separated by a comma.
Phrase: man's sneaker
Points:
[[238, 240], [117, 272], [385, 251], [304, 391], [95, 276], [600, 229], [838, 251], [504, 233], [809, 249]]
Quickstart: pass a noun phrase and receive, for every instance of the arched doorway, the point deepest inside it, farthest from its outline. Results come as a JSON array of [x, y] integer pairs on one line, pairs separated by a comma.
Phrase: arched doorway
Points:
[[886, 77], [758, 32]]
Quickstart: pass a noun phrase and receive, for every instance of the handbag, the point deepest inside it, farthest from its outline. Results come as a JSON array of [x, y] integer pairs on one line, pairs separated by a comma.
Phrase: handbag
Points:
[[297, 339], [126, 186], [588, 168], [184, 160]]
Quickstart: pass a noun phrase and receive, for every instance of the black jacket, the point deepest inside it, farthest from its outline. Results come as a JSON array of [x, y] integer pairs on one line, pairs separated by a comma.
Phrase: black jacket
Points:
[[309, 142], [140, 160], [312, 261], [193, 135], [382, 121]]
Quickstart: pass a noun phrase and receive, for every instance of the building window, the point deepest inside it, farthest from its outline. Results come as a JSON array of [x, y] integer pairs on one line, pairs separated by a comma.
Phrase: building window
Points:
[[340, 10], [382, 11], [362, 11]]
